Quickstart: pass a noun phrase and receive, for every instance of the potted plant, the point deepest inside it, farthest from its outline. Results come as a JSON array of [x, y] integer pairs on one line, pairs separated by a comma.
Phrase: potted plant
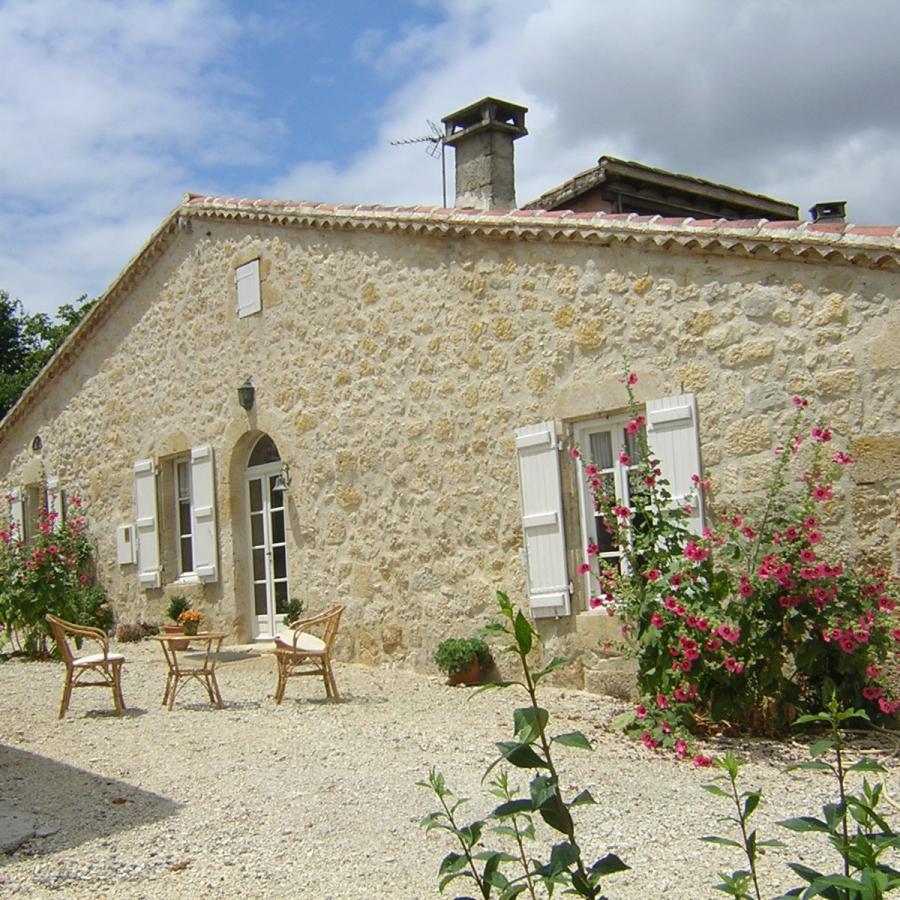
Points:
[[178, 604], [464, 660], [190, 620]]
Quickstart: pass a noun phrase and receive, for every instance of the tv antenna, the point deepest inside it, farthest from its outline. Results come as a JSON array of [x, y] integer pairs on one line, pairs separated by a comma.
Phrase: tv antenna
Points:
[[436, 143]]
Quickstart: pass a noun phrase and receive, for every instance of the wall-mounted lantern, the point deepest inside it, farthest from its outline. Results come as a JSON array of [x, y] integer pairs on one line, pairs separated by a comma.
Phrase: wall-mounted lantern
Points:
[[283, 479], [246, 395]]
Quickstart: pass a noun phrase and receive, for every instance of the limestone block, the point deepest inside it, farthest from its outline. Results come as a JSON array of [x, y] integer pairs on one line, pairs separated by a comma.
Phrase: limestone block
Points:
[[875, 458], [832, 308], [391, 638], [694, 377], [759, 303], [345, 461], [642, 285], [723, 336], [749, 435], [564, 316], [701, 321], [335, 529], [749, 352], [304, 422], [504, 329], [836, 382], [362, 584], [883, 351], [539, 379]]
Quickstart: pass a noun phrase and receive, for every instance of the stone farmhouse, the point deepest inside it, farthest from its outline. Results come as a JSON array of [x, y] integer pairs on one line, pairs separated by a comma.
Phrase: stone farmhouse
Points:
[[371, 404]]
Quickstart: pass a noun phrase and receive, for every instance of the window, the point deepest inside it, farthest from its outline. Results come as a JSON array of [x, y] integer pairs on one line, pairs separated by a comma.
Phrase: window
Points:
[[183, 517], [247, 288], [178, 533], [673, 438]]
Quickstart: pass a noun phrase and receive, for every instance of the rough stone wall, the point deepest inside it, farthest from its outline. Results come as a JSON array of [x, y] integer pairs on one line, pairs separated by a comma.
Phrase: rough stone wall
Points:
[[391, 371]]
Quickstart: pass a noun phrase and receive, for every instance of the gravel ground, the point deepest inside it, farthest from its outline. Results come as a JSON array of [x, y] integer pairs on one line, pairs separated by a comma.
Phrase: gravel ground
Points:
[[320, 800]]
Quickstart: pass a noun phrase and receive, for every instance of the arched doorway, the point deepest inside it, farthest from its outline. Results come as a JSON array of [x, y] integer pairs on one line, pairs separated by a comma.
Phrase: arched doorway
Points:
[[267, 531]]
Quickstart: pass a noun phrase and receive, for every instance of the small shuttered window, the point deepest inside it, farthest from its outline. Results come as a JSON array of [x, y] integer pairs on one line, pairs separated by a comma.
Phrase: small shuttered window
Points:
[[247, 287], [146, 523]]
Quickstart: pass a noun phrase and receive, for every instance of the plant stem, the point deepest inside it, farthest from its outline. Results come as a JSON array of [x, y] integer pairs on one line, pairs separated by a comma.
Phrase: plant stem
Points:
[[750, 859], [482, 887], [838, 752], [545, 745]]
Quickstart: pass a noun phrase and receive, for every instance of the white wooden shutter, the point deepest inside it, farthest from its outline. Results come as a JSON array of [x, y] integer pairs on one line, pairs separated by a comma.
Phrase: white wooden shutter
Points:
[[146, 523], [674, 438], [17, 513], [246, 280], [203, 513], [542, 520], [55, 502]]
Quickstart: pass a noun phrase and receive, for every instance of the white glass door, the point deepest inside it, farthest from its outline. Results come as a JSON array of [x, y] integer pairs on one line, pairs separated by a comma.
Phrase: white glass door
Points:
[[268, 550]]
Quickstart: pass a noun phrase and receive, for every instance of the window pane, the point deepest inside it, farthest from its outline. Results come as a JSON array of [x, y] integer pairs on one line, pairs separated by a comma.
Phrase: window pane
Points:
[[259, 599], [256, 494], [265, 451], [256, 530], [605, 541], [184, 518], [259, 565], [280, 596], [279, 560], [632, 446], [278, 526], [601, 449], [184, 480], [187, 554]]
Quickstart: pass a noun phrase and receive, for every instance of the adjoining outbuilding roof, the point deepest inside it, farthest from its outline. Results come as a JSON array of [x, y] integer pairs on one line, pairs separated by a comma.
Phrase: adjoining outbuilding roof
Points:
[[619, 186], [825, 243]]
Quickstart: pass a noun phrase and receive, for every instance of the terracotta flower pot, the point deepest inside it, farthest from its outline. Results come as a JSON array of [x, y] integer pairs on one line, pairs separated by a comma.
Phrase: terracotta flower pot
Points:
[[177, 629], [470, 676]]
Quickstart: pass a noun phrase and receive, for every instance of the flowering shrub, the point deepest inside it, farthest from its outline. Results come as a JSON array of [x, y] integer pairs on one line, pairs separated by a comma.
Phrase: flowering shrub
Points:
[[756, 620], [50, 573]]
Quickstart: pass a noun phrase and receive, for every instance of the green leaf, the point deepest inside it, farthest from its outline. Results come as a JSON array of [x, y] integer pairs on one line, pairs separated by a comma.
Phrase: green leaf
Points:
[[452, 862], [750, 804], [573, 739], [623, 720], [448, 878], [820, 747], [542, 788], [609, 865], [524, 633], [803, 824], [866, 765], [562, 856], [583, 799], [513, 808], [554, 664], [555, 814], [529, 723], [519, 755], [716, 791], [724, 842], [815, 765]]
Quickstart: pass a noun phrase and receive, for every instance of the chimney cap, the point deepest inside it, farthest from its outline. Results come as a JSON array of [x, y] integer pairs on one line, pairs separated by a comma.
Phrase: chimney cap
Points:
[[829, 211], [489, 112]]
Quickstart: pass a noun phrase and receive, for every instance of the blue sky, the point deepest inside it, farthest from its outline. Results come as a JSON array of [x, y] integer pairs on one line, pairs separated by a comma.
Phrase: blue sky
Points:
[[111, 109]]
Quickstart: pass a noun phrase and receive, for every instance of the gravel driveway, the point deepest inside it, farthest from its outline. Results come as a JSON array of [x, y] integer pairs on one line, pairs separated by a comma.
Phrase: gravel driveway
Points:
[[320, 800]]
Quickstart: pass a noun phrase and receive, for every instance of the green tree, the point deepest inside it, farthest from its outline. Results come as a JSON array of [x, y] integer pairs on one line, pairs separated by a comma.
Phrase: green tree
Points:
[[28, 340]]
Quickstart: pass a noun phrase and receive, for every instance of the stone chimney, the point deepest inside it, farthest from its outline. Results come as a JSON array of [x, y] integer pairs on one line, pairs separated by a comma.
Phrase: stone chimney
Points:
[[831, 211], [482, 135]]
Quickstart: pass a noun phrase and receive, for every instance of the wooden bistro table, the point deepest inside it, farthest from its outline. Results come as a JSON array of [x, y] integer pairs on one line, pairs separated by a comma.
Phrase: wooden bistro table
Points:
[[181, 670]]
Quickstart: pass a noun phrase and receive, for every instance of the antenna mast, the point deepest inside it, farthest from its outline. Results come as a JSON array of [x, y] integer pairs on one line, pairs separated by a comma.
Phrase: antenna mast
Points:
[[436, 148]]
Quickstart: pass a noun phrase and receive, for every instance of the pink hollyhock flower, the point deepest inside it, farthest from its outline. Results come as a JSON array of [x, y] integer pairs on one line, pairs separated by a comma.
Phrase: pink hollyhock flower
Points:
[[814, 537], [650, 480], [888, 707], [728, 633], [590, 470], [662, 701], [670, 603], [702, 762], [847, 644], [574, 453], [842, 459], [649, 741], [807, 555], [745, 589], [886, 604], [713, 644], [641, 712], [872, 671], [871, 693], [822, 492], [652, 575], [622, 512], [734, 666], [693, 551], [596, 602], [592, 549], [584, 568], [632, 378], [681, 748], [666, 729], [624, 458], [675, 580], [799, 402], [820, 434], [657, 621]]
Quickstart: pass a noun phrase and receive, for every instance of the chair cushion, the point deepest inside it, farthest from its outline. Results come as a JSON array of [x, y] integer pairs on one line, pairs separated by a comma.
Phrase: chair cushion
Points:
[[306, 642], [96, 658]]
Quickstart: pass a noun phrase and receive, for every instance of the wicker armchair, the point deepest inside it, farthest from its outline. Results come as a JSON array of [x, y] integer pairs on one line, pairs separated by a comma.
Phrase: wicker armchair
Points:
[[299, 651], [80, 669]]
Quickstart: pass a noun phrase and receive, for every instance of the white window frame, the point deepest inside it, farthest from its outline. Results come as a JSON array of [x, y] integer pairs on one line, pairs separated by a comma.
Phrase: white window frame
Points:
[[614, 425], [180, 501]]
